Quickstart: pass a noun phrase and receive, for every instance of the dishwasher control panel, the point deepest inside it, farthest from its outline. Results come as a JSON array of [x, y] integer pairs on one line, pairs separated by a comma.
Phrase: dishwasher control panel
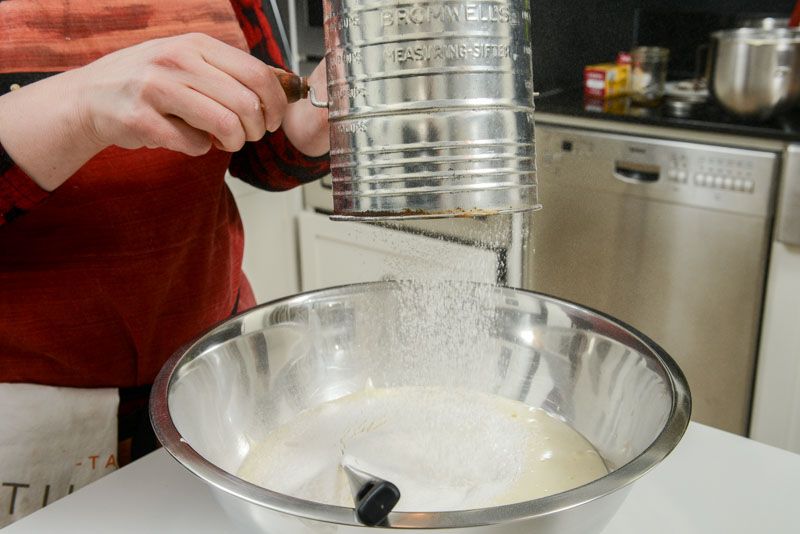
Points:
[[707, 176], [726, 173]]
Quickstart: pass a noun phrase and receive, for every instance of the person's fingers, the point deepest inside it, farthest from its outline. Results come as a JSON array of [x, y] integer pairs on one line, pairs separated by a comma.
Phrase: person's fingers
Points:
[[250, 72], [181, 137], [202, 113], [230, 93], [276, 106], [306, 126], [158, 131]]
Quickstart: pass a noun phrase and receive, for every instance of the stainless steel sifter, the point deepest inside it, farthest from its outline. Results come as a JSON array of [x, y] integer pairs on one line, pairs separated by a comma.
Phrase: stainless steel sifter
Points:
[[431, 108]]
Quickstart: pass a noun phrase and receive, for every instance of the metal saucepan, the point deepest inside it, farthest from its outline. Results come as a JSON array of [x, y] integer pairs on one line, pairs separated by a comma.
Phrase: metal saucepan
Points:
[[764, 23], [222, 394], [755, 73]]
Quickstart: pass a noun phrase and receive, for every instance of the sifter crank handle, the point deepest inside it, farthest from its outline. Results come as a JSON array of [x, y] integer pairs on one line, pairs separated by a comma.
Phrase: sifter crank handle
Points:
[[296, 88]]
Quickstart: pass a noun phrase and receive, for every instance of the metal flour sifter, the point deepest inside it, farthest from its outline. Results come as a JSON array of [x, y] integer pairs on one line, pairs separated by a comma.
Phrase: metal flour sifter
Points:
[[431, 108]]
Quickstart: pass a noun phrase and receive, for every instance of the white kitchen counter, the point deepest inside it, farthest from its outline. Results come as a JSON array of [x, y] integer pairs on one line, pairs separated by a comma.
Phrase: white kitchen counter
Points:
[[712, 483]]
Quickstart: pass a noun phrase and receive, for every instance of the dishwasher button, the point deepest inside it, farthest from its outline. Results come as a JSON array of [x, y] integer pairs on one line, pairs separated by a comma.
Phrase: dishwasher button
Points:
[[738, 184], [750, 186], [683, 177], [718, 182], [728, 183], [700, 179]]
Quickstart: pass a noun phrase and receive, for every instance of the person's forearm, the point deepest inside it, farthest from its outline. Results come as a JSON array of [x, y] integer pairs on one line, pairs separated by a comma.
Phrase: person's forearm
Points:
[[42, 129]]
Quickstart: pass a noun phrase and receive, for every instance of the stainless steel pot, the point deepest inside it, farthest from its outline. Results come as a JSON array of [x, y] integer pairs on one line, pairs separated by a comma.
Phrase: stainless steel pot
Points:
[[219, 396], [756, 73], [431, 108], [764, 23]]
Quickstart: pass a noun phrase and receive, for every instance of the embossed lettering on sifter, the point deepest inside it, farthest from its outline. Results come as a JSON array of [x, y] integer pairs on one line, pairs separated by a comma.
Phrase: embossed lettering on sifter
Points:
[[426, 13]]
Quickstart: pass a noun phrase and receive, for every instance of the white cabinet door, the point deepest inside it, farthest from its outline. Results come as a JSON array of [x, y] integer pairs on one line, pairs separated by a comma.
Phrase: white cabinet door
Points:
[[776, 406], [337, 253], [270, 239]]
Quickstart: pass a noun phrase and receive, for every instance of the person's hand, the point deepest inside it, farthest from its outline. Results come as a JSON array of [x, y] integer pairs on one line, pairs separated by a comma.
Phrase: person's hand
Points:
[[182, 93], [307, 126]]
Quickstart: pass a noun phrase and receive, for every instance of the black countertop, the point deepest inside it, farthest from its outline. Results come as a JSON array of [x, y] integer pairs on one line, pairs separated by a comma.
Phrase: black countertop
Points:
[[707, 118]]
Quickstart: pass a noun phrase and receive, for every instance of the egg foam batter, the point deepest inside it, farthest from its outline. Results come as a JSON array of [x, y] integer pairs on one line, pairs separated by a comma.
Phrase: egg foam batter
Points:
[[446, 449]]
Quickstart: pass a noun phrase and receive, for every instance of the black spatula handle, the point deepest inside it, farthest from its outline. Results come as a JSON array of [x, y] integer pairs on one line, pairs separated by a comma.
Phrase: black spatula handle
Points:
[[375, 502]]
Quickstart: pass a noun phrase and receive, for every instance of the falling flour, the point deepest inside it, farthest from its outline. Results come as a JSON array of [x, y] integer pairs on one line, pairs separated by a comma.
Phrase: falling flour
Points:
[[427, 429], [445, 449]]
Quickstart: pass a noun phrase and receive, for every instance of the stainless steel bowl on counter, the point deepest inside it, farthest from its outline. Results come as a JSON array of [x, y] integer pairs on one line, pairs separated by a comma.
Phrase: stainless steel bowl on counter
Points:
[[222, 394], [755, 73]]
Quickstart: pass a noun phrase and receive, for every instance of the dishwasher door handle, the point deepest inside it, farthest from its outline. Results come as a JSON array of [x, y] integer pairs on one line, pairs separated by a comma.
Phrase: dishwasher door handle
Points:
[[636, 173]]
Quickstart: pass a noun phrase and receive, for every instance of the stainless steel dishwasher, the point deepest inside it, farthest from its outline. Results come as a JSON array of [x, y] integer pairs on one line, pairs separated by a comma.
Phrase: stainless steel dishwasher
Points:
[[672, 238]]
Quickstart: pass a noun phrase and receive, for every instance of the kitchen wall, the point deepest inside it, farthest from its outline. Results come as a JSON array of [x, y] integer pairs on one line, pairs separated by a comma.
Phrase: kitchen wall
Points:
[[270, 239], [569, 35]]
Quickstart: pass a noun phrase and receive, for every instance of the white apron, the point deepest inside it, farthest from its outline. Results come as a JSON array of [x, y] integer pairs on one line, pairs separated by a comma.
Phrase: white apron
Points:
[[53, 441]]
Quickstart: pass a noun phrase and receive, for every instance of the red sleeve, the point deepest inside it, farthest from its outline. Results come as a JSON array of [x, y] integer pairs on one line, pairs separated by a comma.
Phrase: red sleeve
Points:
[[18, 193], [272, 163]]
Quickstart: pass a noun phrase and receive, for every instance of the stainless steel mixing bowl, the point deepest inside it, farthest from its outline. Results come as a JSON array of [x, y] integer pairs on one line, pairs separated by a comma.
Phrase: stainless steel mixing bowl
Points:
[[223, 393]]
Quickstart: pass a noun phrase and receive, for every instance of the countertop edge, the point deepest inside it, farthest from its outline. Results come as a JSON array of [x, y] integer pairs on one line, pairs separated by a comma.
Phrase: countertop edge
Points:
[[662, 131]]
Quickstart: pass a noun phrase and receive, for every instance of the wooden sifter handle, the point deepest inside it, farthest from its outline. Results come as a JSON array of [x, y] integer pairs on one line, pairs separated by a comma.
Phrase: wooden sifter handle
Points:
[[295, 87]]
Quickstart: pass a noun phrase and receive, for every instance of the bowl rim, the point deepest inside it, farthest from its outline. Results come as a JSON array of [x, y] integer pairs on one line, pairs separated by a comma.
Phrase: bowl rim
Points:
[[664, 443]]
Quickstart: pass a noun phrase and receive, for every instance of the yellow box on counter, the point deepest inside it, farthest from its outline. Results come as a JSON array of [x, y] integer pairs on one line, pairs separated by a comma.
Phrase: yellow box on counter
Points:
[[606, 80]]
